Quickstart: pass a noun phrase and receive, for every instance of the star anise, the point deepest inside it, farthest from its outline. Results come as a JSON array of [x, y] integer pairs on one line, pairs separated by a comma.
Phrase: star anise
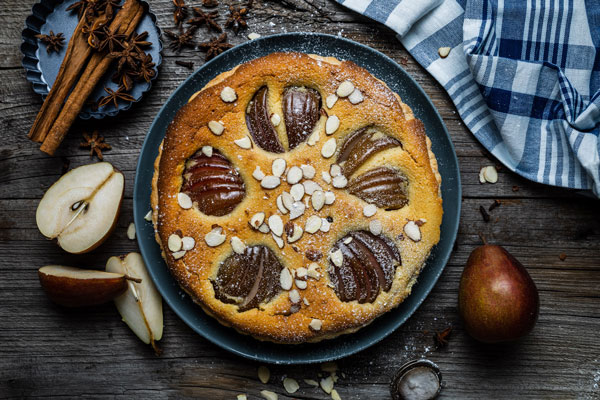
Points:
[[145, 70], [125, 78], [181, 11], [202, 18], [210, 3], [53, 42], [441, 338], [237, 18], [128, 56], [95, 143], [104, 39], [88, 8], [138, 41], [114, 96], [215, 46], [181, 39]]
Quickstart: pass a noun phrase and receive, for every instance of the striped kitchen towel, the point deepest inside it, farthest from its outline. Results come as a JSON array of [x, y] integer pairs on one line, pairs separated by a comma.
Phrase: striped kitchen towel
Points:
[[523, 74]]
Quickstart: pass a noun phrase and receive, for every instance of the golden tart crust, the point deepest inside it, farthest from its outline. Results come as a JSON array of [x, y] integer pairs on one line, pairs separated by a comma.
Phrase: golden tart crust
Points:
[[277, 319]]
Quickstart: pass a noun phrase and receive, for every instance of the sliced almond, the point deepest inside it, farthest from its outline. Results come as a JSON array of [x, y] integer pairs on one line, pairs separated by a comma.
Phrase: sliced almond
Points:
[[237, 245], [329, 197], [308, 171], [325, 225], [179, 254], [257, 220], [215, 238], [327, 384], [258, 174], [313, 223], [264, 228], [290, 385], [444, 51], [316, 325], [280, 205], [335, 395], [148, 216], [296, 234], [228, 95], [275, 119], [264, 374], [187, 243], [294, 296], [216, 127], [297, 209], [278, 240], [335, 170], [242, 396], [278, 167], [329, 148], [337, 258], [339, 182], [297, 191], [207, 151], [294, 175], [174, 242], [285, 279], [413, 231], [276, 225], [311, 382], [348, 240], [318, 199], [288, 200], [306, 302], [301, 272], [131, 231], [369, 210], [184, 201], [356, 97], [310, 187], [331, 100], [268, 395], [300, 284], [253, 35], [312, 271], [490, 174], [244, 143], [270, 182], [332, 124], [326, 177], [375, 227], [313, 138], [345, 89]]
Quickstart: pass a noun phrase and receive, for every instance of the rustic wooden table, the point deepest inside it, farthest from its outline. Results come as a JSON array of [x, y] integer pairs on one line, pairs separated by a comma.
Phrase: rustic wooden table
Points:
[[47, 351]]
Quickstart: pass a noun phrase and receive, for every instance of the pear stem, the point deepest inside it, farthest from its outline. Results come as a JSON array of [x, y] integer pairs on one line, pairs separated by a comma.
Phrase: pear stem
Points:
[[131, 278], [482, 238]]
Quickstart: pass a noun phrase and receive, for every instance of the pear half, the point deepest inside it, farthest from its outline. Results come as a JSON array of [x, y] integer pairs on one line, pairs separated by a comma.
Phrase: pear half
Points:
[[141, 305], [76, 287], [80, 210]]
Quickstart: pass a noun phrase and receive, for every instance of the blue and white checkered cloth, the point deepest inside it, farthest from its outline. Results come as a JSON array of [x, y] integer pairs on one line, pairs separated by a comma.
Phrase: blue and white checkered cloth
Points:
[[523, 74]]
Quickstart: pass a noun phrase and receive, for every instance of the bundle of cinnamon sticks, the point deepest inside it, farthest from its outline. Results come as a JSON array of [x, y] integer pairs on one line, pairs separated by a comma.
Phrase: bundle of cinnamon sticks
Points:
[[81, 70]]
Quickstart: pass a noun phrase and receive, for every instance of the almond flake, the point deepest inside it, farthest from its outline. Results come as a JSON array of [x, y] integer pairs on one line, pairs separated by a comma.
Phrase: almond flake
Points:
[[207, 151], [318, 199], [216, 127], [339, 182], [329, 197], [325, 225], [215, 238], [326, 177], [187, 243], [301, 272], [257, 220], [278, 240], [335, 395], [313, 138], [244, 143], [264, 374], [312, 271], [280, 205], [242, 397], [178, 254], [345, 89], [329, 148], [276, 225], [444, 51], [316, 325], [184, 201], [294, 175], [264, 228], [174, 242], [375, 227], [237, 245], [313, 223], [131, 231], [297, 191], [490, 174], [294, 296], [306, 302], [311, 382], [148, 216], [327, 384], [481, 176], [258, 174], [285, 279], [296, 234], [369, 210], [310, 187], [275, 119], [331, 100], [337, 258], [288, 201], [270, 182], [228, 95], [278, 167], [356, 97], [297, 209], [300, 284], [335, 170], [348, 240], [253, 35], [308, 171], [268, 395], [332, 124], [413, 231]]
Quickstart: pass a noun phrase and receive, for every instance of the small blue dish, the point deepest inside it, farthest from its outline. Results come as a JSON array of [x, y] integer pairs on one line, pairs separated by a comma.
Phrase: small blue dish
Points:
[[399, 81], [42, 67]]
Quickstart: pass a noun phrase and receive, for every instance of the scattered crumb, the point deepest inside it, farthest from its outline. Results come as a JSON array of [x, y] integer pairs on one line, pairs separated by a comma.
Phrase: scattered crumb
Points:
[[562, 256]]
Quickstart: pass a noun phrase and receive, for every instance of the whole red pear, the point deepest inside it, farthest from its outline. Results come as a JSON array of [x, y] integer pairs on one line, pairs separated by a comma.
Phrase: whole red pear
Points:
[[497, 298]]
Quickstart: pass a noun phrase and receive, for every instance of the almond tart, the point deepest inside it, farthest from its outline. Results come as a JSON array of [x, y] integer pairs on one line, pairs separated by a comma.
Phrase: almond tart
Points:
[[296, 198]]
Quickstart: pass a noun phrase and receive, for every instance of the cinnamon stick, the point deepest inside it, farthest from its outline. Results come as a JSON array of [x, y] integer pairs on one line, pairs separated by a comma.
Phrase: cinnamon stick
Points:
[[78, 52], [125, 22]]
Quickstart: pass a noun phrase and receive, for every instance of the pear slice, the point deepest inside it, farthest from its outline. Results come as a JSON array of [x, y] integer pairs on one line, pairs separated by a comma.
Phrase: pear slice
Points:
[[80, 210], [141, 305], [75, 287]]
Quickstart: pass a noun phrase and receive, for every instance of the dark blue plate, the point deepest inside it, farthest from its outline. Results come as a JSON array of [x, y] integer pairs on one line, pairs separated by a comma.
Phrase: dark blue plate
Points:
[[42, 68], [399, 81]]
